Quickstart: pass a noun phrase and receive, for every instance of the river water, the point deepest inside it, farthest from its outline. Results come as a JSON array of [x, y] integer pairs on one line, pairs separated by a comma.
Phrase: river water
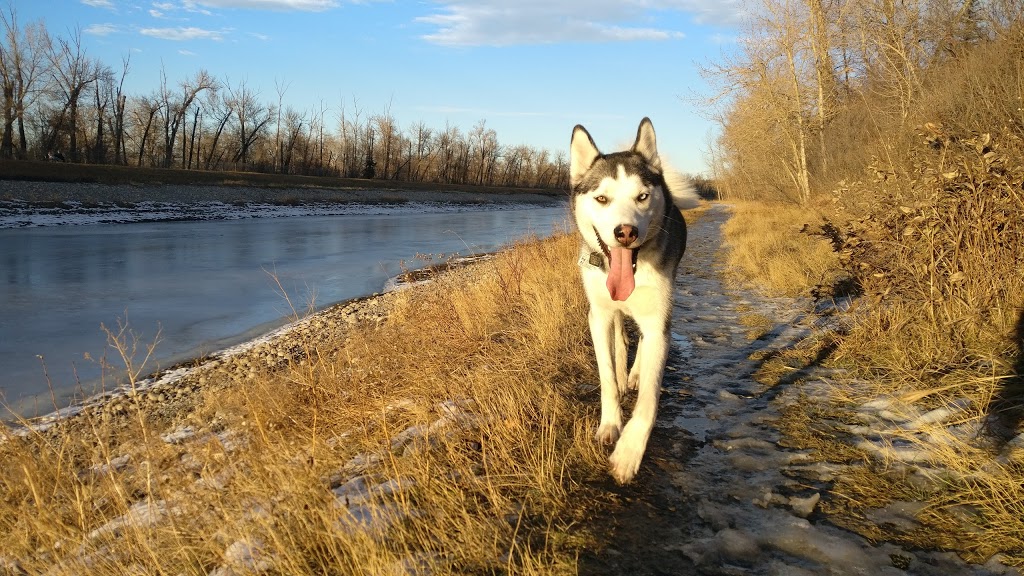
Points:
[[202, 285]]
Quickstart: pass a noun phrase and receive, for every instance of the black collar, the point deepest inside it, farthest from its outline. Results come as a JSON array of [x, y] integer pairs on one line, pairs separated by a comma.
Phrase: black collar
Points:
[[597, 260]]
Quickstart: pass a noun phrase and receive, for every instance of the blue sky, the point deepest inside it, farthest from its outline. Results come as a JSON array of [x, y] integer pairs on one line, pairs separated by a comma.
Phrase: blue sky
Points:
[[531, 68]]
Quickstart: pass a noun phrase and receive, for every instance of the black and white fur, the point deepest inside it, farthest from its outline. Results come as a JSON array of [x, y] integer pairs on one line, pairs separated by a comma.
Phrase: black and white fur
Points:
[[624, 209]]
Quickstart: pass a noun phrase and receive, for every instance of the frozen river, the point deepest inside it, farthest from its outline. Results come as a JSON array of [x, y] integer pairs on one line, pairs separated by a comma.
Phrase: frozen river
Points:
[[203, 285]]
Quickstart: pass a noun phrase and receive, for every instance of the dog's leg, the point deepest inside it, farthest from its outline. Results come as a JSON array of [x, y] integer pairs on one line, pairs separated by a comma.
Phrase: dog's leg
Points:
[[621, 360], [625, 459], [634, 371], [602, 325]]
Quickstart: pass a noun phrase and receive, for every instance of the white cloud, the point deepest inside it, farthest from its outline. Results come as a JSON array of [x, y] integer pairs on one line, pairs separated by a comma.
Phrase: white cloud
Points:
[[192, 6], [259, 36], [186, 53], [505, 22], [156, 14], [189, 33], [283, 5], [99, 3], [101, 29]]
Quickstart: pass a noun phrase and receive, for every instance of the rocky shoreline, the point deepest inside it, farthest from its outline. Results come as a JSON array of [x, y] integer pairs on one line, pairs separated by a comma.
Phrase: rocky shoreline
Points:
[[171, 395]]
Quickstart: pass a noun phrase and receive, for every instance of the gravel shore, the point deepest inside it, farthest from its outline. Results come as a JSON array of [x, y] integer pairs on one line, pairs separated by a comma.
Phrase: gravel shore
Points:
[[171, 395]]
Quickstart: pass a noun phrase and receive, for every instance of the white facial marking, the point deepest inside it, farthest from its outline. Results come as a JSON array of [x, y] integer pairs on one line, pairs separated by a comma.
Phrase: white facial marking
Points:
[[624, 199]]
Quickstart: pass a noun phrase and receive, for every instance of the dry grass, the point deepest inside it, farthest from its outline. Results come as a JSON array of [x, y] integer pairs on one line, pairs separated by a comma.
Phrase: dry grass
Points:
[[943, 276], [450, 433], [937, 255], [768, 251]]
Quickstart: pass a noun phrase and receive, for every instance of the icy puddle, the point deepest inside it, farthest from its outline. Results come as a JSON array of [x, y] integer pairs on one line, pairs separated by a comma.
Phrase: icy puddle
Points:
[[716, 493]]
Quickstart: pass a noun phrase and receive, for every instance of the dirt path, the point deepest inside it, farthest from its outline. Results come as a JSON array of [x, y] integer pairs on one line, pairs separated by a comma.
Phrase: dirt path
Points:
[[717, 494]]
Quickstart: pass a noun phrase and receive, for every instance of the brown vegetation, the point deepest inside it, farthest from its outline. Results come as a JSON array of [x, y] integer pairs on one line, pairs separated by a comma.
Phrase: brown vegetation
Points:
[[450, 432], [823, 94], [913, 152]]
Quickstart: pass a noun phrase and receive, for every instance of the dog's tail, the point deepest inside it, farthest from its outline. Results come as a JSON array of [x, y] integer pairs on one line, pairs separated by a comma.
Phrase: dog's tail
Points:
[[684, 195]]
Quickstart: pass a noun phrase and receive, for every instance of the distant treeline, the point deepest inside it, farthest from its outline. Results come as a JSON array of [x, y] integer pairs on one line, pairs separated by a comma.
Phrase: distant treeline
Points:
[[60, 103], [822, 93]]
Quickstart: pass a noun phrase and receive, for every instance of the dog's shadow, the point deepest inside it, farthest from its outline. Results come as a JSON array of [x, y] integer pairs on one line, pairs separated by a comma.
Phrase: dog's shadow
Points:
[[1006, 409]]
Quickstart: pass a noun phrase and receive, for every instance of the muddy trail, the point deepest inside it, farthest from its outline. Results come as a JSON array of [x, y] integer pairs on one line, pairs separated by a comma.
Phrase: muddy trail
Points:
[[718, 493]]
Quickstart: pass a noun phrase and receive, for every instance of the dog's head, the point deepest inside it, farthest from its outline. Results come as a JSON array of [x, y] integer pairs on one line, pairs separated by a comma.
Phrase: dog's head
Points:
[[618, 199]]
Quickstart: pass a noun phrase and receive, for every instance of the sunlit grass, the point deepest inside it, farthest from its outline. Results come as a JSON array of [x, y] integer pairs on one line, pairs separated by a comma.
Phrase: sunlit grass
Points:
[[448, 437], [768, 251], [937, 331]]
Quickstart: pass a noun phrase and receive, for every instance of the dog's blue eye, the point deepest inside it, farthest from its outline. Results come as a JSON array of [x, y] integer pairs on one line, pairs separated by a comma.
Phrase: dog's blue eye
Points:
[[643, 197]]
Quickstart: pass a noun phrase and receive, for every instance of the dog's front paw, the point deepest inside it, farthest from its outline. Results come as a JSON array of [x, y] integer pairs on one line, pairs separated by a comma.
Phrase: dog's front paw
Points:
[[625, 460], [608, 433], [634, 380], [623, 465]]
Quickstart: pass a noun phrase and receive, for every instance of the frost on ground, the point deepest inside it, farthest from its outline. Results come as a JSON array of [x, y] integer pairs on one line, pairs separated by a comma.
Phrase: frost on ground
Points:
[[24, 215], [32, 204], [718, 493]]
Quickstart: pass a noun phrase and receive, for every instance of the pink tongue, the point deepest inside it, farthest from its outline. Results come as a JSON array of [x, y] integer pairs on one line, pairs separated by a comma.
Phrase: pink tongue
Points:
[[620, 274]]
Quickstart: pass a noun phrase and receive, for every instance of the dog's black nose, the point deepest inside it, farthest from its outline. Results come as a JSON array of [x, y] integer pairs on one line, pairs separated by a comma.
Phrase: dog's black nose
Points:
[[626, 234]]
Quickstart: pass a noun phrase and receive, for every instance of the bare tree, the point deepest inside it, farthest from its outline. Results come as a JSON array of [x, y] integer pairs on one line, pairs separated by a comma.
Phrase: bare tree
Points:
[[144, 112], [771, 73], [282, 88], [220, 108], [350, 139], [316, 131], [23, 60], [484, 144], [822, 45], [117, 127], [251, 118], [176, 106], [102, 88], [73, 71], [422, 137], [195, 138], [385, 126], [291, 130]]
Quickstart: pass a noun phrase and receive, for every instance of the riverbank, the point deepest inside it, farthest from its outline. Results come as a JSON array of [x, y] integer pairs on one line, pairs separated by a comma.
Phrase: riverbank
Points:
[[169, 394], [173, 391], [312, 435], [206, 285], [32, 203], [34, 171]]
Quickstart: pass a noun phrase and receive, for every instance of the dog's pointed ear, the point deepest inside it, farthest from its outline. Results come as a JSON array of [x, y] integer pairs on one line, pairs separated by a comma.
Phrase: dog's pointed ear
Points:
[[646, 144], [582, 153]]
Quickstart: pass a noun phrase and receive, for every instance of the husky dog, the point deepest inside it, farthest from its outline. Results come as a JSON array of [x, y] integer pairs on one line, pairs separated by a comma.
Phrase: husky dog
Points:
[[633, 237]]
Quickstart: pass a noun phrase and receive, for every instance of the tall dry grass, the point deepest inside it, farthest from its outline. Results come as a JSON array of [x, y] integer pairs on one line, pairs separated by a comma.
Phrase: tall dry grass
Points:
[[937, 252], [945, 264], [778, 248], [448, 438], [942, 269]]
